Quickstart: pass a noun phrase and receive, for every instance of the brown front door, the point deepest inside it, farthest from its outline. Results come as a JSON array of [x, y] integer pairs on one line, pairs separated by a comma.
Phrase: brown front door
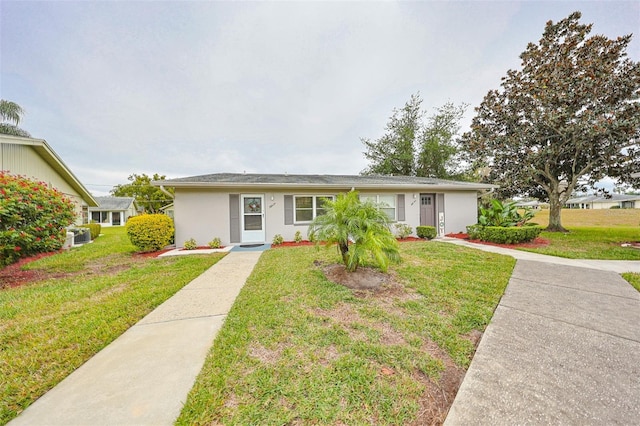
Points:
[[427, 210]]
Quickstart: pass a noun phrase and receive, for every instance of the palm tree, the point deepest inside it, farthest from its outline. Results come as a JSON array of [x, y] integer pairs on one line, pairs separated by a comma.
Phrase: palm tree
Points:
[[11, 112], [360, 231]]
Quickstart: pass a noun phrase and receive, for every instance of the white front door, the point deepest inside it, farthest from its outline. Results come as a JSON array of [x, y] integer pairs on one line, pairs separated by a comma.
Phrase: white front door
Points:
[[252, 218]]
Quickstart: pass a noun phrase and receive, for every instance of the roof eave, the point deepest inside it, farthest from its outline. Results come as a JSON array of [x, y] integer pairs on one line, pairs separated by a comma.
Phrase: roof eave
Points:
[[52, 159], [346, 187]]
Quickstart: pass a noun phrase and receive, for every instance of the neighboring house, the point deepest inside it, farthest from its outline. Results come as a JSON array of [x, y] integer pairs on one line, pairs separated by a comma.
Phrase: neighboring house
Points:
[[621, 201], [113, 211], [253, 208], [168, 210], [35, 159], [532, 204]]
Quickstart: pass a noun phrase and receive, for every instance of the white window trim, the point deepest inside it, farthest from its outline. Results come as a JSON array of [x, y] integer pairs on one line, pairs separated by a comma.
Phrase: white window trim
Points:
[[314, 206], [377, 201]]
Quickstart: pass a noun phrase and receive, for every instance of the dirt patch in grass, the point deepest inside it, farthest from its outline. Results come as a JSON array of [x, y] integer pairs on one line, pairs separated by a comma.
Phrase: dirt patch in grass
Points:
[[439, 393], [363, 278], [14, 276]]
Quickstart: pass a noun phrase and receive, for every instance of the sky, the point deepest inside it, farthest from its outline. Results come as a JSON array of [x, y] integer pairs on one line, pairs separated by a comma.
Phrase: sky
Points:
[[184, 88]]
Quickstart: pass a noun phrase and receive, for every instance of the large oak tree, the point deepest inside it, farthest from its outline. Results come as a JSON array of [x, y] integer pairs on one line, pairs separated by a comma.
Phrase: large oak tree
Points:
[[567, 119]]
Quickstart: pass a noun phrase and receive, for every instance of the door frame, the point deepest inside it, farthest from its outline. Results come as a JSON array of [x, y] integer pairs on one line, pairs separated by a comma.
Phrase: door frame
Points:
[[252, 236], [434, 208]]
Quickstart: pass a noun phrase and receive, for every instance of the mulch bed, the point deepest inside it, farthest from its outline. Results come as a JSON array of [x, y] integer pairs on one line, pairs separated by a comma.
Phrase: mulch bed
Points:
[[536, 243], [14, 276], [151, 254]]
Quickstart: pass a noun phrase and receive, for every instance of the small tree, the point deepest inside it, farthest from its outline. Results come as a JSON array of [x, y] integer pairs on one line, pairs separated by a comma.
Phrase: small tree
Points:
[[415, 146], [11, 113], [33, 218], [150, 198], [393, 153], [438, 143], [360, 231]]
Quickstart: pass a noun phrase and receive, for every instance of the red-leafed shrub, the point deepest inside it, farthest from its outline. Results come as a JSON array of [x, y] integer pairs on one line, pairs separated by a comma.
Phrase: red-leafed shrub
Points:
[[33, 218]]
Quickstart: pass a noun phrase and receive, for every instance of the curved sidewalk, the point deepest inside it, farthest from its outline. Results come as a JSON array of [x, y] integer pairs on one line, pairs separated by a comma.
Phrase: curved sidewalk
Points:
[[618, 266], [563, 347], [143, 377]]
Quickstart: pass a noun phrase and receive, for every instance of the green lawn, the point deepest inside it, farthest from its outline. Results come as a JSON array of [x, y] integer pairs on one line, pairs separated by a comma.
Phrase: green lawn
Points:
[[49, 328], [591, 243], [633, 279], [298, 349]]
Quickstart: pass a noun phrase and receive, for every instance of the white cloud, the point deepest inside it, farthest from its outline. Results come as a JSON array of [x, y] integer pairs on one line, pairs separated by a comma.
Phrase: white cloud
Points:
[[185, 88]]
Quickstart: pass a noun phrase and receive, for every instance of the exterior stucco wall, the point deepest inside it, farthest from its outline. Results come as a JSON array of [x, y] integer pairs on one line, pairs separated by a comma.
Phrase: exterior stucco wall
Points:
[[598, 206], [24, 160], [203, 214], [461, 209]]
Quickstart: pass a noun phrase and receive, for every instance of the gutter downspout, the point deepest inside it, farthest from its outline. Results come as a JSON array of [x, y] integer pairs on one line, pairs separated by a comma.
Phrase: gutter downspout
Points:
[[164, 191], [480, 194]]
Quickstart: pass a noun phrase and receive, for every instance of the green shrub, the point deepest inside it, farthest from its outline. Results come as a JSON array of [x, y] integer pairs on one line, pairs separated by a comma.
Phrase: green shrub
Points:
[[190, 244], [503, 214], [94, 228], [150, 232], [428, 232], [403, 230], [215, 243], [503, 235], [298, 237], [277, 240], [33, 218]]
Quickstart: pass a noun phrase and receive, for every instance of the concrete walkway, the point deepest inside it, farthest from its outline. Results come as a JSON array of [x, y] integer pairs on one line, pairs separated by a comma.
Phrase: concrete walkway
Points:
[[144, 376], [619, 266], [563, 347]]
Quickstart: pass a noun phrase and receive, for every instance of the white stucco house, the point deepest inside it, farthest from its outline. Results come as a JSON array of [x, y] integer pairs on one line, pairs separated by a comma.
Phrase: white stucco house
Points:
[[621, 201], [36, 160], [113, 211], [253, 208]]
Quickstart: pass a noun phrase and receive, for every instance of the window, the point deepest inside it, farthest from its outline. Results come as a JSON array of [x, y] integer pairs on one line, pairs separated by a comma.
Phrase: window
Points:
[[386, 203], [100, 217], [307, 207]]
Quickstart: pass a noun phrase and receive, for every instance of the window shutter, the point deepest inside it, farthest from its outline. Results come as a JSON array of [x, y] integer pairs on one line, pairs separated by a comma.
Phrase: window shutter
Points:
[[400, 207], [234, 218], [288, 209]]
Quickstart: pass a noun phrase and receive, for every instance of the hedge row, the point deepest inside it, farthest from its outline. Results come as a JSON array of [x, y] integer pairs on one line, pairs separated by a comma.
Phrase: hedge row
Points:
[[503, 235]]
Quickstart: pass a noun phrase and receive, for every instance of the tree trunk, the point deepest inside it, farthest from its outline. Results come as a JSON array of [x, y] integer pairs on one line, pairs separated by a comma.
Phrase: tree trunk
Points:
[[344, 251], [555, 211]]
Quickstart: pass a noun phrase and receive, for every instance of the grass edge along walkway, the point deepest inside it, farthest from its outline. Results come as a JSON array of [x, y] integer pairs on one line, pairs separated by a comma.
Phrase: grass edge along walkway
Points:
[[298, 348], [50, 328]]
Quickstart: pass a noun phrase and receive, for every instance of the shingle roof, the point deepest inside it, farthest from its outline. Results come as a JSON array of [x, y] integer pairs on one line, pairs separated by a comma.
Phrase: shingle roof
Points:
[[292, 180], [113, 203]]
